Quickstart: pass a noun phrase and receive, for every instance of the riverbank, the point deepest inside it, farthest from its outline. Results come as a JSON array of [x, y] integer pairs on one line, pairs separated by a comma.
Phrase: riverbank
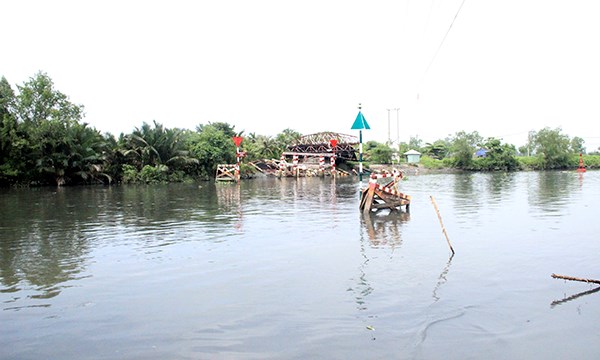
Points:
[[412, 169]]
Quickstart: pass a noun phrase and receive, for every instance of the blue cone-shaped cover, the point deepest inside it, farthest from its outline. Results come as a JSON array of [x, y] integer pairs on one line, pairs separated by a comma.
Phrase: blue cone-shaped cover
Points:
[[360, 122]]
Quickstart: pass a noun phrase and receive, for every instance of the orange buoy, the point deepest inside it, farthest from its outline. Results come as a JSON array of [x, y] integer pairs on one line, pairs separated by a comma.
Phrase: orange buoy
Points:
[[581, 167]]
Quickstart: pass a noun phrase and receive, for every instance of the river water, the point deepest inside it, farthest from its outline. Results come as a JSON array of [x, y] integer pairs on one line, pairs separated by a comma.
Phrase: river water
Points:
[[290, 269]]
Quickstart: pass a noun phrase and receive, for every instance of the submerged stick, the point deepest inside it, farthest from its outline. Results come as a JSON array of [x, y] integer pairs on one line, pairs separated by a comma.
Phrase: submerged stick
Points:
[[441, 223], [556, 276], [573, 297]]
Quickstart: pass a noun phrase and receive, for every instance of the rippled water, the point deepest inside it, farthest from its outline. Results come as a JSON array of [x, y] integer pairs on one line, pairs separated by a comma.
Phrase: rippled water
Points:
[[291, 269]]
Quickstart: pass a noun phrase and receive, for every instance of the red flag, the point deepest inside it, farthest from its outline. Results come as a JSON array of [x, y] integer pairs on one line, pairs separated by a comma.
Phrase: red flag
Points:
[[237, 140]]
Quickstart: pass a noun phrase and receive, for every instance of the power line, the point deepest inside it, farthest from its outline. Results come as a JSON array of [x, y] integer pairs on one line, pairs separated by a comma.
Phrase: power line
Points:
[[443, 40]]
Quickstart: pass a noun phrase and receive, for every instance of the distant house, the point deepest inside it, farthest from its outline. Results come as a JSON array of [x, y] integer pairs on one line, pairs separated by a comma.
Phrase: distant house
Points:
[[481, 153], [412, 156]]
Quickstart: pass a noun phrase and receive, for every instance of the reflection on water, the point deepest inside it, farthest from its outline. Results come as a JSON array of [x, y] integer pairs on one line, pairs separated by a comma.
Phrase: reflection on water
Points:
[[473, 191], [383, 227], [229, 200], [283, 268], [43, 244], [442, 279], [383, 231], [549, 194], [575, 296]]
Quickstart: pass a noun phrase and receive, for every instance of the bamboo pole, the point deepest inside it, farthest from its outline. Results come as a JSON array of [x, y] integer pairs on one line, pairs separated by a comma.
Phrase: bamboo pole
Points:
[[441, 223], [571, 278]]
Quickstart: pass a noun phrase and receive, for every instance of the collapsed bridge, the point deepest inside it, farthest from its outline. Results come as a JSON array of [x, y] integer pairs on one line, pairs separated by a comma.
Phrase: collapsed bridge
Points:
[[326, 144], [310, 155]]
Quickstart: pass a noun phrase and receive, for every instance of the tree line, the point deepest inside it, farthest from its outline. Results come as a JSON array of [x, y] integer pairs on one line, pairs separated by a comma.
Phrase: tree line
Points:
[[546, 149], [44, 141]]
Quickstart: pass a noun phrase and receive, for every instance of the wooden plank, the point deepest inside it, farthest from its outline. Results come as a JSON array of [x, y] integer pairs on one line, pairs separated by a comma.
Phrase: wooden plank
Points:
[[367, 200]]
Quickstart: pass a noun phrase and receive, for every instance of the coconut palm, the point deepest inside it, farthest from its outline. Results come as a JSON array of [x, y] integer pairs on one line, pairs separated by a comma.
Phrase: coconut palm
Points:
[[68, 152], [158, 146]]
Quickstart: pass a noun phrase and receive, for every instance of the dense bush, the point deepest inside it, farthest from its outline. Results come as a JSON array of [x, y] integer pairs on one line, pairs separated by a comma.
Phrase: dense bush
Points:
[[154, 174], [431, 163]]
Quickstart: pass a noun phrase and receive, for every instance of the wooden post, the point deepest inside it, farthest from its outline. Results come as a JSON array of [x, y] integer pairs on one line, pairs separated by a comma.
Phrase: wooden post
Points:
[[237, 140], [321, 165], [332, 161], [282, 166], [295, 165], [367, 198], [441, 223], [571, 278]]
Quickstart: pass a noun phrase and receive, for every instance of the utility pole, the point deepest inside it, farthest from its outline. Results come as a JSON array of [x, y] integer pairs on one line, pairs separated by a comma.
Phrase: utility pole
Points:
[[397, 125], [398, 132], [389, 129]]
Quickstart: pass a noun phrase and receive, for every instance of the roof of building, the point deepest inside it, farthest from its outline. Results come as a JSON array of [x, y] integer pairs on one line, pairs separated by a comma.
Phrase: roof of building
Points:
[[412, 152]]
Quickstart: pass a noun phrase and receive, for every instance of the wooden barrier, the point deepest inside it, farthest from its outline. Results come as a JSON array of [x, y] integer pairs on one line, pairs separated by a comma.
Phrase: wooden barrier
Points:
[[227, 172], [377, 197]]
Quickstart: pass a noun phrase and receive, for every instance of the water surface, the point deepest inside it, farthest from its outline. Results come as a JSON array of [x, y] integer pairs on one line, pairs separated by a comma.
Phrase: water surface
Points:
[[290, 269]]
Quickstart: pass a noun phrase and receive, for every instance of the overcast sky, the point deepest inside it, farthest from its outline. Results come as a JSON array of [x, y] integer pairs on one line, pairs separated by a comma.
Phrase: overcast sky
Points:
[[505, 67]]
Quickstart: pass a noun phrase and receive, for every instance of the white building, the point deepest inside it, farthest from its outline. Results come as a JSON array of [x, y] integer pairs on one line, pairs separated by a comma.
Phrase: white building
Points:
[[412, 156]]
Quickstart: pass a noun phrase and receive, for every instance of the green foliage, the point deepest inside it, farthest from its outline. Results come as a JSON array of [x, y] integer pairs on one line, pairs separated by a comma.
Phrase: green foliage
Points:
[[537, 162], [158, 145], [378, 153], [154, 174], [130, 174], [9, 141], [43, 141], [463, 147], [431, 163], [415, 143], [552, 148], [113, 157], [287, 137], [589, 161], [246, 170], [402, 148], [529, 162], [38, 101], [149, 174], [437, 150], [67, 152], [498, 157], [7, 99], [259, 147], [577, 145], [523, 150], [179, 176], [211, 146], [221, 127]]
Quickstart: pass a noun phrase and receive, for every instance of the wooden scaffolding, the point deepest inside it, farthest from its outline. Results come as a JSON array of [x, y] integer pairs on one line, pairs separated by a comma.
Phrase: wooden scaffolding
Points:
[[378, 196], [227, 172]]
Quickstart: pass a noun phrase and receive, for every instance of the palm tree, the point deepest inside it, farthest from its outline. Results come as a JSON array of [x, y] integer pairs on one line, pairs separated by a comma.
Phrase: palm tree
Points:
[[158, 146], [269, 148]]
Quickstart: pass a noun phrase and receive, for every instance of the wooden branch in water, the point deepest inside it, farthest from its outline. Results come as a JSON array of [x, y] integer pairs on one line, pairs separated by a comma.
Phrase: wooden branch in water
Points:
[[571, 278], [573, 297], [441, 223]]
